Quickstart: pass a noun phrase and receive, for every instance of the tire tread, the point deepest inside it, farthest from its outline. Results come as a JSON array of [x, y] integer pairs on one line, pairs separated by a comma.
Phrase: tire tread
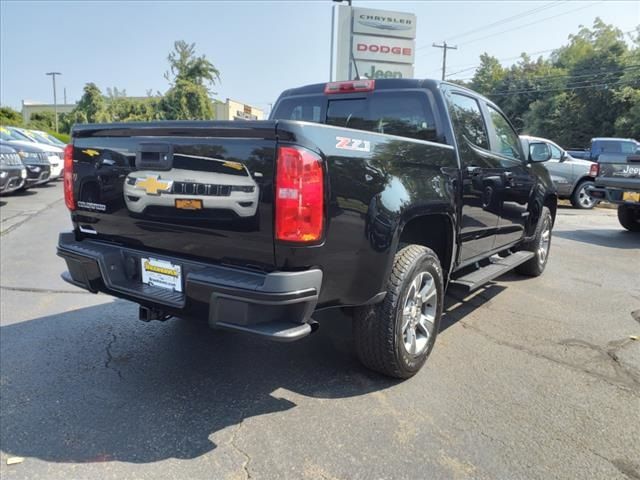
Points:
[[374, 326]]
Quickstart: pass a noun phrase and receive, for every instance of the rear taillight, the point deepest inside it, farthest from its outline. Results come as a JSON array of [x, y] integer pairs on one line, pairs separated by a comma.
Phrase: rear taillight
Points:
[[349, 87], [68, 177], [594, 170], [299, 203]]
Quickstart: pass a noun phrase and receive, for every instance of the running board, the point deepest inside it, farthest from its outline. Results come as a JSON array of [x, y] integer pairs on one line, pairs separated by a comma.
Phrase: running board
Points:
[[477, 278]]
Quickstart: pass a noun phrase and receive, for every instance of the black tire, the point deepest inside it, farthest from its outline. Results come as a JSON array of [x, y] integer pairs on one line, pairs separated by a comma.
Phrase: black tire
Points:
[[537, 264], [629, 217], [377, 329], [581, 199]]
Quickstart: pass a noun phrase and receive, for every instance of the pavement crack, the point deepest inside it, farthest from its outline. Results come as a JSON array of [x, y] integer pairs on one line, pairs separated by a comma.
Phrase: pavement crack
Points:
[[107, 363], [43, 290], [241, 451], [28, 217], [626, 378], [627, 468]]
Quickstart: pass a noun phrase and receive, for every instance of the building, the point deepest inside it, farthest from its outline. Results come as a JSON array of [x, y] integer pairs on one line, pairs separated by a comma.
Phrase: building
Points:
[[29, 108], [232, 110]]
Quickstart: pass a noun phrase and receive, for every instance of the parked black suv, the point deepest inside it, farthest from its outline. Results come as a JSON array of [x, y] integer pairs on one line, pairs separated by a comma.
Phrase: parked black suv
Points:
[[12, 172]]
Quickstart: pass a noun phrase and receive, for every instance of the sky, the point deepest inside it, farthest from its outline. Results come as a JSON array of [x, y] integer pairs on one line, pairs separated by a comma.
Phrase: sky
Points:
[[260, 47]]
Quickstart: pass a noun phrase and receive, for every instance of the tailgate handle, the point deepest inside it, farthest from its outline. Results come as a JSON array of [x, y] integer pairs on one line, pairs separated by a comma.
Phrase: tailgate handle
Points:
[[154, 156]]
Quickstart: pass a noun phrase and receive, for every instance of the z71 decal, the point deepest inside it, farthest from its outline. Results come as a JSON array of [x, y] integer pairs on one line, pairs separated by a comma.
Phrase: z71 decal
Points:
[[345, 143]]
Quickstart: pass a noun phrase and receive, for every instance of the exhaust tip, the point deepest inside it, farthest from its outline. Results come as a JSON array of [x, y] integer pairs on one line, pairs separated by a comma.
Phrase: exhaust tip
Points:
[[314, 325]]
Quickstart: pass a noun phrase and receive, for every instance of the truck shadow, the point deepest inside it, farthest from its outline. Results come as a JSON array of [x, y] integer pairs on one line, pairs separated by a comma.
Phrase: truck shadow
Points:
[[458, 305], [95, 385], [610, 237]]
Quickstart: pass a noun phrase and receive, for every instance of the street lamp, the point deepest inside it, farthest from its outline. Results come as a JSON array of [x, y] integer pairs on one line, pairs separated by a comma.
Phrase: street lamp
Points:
[[55, 101]]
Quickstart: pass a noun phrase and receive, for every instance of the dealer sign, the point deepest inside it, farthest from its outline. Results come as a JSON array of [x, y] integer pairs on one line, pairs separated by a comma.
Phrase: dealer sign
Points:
[[383, 49], [383, 22]]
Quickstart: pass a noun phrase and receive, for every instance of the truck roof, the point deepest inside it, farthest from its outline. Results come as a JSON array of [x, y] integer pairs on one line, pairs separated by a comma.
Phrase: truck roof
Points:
[[594, 139], [383, 84]]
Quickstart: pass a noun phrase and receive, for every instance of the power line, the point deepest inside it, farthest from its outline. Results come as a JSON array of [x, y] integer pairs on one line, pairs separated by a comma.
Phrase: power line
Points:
[[531, 23], [504, 20], [508, 19], [571, 76], [520, 92], [500, 60], [471, 67]]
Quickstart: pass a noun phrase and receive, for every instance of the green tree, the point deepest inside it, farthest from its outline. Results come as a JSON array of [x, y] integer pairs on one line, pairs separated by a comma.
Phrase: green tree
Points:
[[42, 121], [9, 116], [489, 75], [92, 104], [588, 87], [190, 77], [68, 120], [184, 65], [134, 110]]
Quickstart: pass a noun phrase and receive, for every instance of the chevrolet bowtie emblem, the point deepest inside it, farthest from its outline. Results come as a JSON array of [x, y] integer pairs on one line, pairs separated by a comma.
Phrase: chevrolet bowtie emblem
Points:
[[153, 185], [91, 152]]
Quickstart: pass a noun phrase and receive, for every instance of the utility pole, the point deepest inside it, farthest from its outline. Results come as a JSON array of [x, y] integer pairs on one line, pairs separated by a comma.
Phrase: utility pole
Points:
[[55, 100], [444, 48], [65, 95]]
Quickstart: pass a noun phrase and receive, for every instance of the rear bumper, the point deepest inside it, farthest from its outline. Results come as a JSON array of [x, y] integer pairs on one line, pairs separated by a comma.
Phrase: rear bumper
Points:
[[612, 194], [277, 305]]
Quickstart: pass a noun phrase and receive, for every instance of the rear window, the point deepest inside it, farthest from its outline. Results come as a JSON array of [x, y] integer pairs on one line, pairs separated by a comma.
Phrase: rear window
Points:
[[620, 147], [405, 114]]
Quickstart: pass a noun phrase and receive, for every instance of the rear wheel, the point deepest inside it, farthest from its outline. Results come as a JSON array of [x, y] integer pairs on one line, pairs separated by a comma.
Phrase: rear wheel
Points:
[[629, 217], [540, 246], [395, 336], [580, 198]]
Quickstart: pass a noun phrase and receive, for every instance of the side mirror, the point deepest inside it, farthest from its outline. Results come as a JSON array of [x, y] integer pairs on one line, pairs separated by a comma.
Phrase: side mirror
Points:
[[539, 152], [564, 156]]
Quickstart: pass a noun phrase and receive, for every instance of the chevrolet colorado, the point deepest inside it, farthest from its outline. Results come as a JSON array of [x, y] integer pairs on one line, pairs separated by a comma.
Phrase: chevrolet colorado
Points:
[[372, 196]]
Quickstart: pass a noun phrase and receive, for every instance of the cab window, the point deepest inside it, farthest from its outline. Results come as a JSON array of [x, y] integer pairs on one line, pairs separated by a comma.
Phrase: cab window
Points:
[[405, 114], [506, 141]]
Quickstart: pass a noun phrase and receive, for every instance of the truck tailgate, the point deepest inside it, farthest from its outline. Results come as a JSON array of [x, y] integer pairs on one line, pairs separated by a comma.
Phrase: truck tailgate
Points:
[[202, 190]]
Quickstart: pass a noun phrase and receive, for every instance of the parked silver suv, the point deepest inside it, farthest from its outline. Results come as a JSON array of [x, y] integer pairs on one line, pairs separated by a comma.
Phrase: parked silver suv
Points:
[[570, 175]]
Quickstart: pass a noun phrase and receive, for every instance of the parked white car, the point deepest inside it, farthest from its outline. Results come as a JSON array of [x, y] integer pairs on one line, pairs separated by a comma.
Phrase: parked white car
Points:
[[20, 137]]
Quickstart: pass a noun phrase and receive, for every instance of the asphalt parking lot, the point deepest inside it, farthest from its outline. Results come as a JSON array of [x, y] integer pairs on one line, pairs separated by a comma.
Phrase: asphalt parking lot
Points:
[[530, 378]]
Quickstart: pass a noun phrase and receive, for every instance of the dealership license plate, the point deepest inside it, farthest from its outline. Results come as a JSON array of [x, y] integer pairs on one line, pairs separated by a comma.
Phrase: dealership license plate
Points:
[[631, 196], [163, 274], [189, 204]]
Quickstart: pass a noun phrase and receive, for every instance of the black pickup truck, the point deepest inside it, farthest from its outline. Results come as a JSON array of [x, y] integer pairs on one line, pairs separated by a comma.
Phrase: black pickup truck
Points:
[[372, 196]]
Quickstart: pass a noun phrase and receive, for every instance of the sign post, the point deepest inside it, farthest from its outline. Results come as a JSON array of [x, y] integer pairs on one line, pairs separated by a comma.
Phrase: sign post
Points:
[[372, 43]]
